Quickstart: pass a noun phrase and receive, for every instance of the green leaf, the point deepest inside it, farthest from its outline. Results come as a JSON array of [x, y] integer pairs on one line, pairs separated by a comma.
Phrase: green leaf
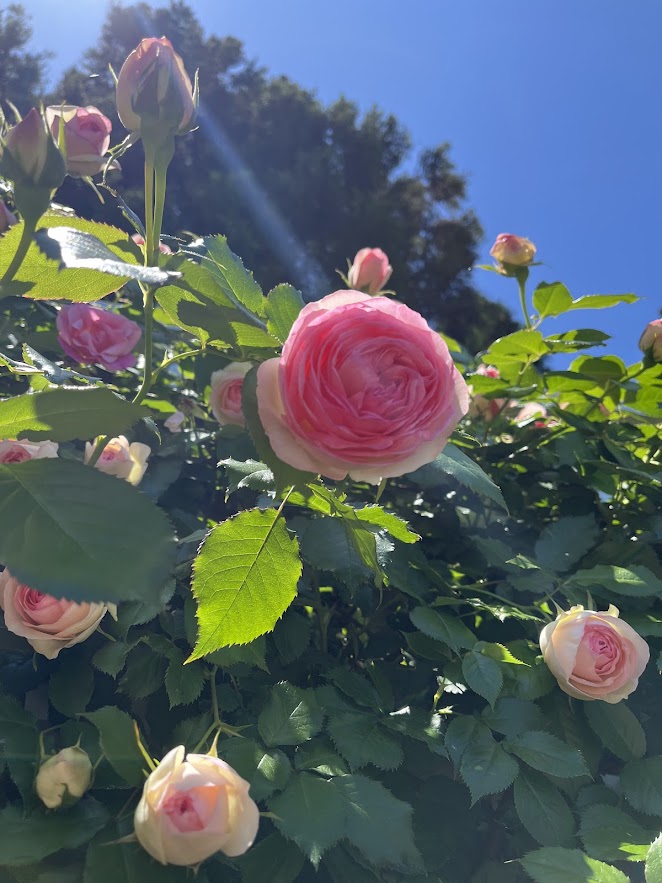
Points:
[[65, 414], [633, 582], [362, 739], [76, 249], [483, 675], [459, 735], [235, 280], [611, 835], [27, 839], [183, 683], [554, 864], [443, 627], [244, 579], [513, 716], [654, 862], [532, 682], [39, 277], [144, 673], [548, 754], [355, 686], [312, 812], [551, 299], [397, 527], [274, 859], [319, 757], [641, 782], [291, 716], [110, 859], [19, 743], [284, 303], [542, 809], [118, 742], [600, 301], [420, 725], [500, 653], [99, 539], [291, 636], [252, 654], [250, 474], [581, 338], [454, 462], [267, 771], [377, 823], [485, 766], [111, 658], [71, 685], [519, 348], [617, 728], [565, 541]]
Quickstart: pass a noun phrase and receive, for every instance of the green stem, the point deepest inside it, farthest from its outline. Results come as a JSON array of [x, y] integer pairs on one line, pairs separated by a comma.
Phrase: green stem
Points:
[[149, 208], [21, 251], [160, 172], [98, 451], [214, 697], [171, 361], [148, 376], [521, 284]]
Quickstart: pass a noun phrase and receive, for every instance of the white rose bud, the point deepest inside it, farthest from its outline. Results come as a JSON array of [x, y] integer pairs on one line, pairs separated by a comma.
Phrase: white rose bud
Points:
[[64, 778]]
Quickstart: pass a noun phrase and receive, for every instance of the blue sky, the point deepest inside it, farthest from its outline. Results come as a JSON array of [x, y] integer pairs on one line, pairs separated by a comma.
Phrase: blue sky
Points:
[[553, 110]]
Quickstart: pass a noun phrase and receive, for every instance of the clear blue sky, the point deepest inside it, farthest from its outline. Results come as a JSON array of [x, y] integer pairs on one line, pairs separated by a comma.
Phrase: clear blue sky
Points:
[[553, 109]]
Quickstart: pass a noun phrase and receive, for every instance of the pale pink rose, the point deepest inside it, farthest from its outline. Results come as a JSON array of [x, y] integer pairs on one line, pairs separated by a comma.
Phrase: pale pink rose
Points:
[[86, 136], [530, 411], [482, 407], [364, 387], [140, 242], [594, 655], [17, 451], [93, 336], [225, 396], [7, 218], [119, 458], [175, 421], [514, 250], [370, 271], [191, 808], [49, 624], [651, 340]]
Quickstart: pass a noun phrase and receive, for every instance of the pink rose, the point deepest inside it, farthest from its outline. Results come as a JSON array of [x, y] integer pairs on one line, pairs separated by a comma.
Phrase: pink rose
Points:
[[594, 655], [514, 250], [7, 218], [175, 421], [364, 386], [86, 136], [370, 271], [482, 407], [225, 396], [91, 335], [650, 342], [12, 451], [193, 806], [529, 412], [49, 624], [140, 242], [119, 458]]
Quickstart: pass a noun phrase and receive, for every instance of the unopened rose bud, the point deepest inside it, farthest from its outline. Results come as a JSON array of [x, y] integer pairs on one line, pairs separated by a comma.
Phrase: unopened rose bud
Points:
[[7, 218], [64, 778], [370, 271], [30, 156], [154, 93], [512, 250], [650, 342]]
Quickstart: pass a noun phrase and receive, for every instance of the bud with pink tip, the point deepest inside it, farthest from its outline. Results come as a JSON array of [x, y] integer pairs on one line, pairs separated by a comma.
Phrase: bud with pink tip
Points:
[[370, 271], [515, 251], [650, 342], [30, 156], [86, 136]]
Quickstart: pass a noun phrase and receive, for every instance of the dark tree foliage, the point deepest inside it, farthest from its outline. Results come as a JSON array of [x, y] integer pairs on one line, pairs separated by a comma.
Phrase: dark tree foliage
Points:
[[21, 72], [298, 186]]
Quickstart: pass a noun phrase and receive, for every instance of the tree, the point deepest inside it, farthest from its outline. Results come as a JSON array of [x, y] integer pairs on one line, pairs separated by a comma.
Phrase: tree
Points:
[[298, 186], [21, 72]]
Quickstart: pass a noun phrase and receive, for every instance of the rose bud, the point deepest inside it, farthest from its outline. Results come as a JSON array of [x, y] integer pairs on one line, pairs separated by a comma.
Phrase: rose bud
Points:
[[154, 91], [594, 655], [650, 342], [370, 271], [363, 387], [49, 624], [7, 218], [225, 396], [512, 250], [64, 778], [140, 242], [17, 451], [30, 156], [193, 806], [86, 136], [91, 335], [119, 458]]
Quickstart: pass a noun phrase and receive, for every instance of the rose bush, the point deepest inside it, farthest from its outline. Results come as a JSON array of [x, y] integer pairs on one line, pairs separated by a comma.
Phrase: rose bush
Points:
[[334, 582]]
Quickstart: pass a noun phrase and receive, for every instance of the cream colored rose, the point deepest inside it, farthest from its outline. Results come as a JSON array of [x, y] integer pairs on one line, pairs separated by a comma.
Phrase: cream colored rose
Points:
[[594, 655], [64, 778], [225, 396], [49, 624], [13, 451], [191, 808], [127, 461]]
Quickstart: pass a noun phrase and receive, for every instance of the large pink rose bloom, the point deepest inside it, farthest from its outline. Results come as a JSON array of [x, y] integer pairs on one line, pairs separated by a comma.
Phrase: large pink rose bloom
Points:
[[93, 336], [364, 387], [49, 624]]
